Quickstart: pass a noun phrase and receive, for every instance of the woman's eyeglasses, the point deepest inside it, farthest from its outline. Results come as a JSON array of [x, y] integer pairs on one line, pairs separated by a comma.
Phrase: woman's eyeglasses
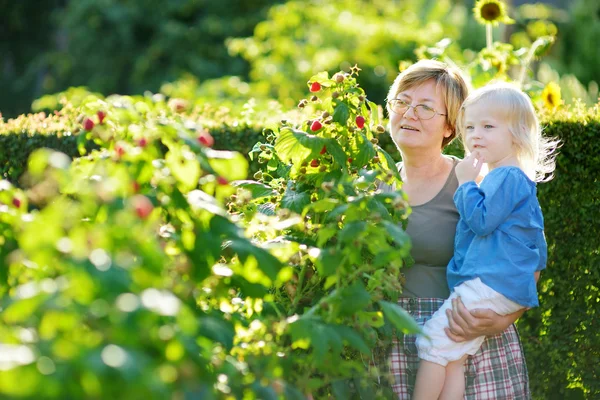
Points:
[[422, 111]]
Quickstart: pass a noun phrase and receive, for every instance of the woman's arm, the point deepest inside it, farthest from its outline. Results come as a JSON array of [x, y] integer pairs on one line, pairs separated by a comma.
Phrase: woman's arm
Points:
[[467, 325]]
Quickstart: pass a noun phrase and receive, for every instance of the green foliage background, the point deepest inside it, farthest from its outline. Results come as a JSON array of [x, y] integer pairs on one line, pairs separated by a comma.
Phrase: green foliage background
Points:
[[560, 337], [269, 46], [235, 69]]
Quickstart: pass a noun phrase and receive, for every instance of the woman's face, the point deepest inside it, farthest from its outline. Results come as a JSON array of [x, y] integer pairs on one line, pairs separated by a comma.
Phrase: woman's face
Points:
[[411, 132]]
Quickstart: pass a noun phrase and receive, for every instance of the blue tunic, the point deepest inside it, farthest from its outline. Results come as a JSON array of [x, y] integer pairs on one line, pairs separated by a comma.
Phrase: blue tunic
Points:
[[500, 235]]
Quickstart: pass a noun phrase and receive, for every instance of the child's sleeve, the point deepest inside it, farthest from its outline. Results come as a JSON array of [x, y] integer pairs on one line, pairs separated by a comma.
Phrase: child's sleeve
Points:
[[543, 249], [485, 207]]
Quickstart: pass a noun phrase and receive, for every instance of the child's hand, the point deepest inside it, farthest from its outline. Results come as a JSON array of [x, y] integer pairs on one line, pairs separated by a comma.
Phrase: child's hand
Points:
[[468, 169]]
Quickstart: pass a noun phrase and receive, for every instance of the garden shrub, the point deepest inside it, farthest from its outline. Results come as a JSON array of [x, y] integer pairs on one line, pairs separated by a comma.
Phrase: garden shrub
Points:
[[562, 336]]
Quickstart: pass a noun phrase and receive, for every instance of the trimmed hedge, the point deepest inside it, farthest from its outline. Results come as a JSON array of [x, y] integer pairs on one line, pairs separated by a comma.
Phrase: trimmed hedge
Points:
[[562, 336]]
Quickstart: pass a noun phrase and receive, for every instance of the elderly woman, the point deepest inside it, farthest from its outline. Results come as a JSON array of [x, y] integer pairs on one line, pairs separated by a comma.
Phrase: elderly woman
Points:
[[423, 104]]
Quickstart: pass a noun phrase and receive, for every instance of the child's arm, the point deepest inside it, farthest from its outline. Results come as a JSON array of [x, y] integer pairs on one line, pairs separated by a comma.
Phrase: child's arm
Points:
[[485, 208]]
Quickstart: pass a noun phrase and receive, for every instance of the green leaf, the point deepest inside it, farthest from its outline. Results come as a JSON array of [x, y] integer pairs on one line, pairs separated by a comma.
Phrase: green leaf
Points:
[[294, 200], [183, 165], [218, 330], [352, 299], [324, 234], [322, 77], [362, 149], [22, 309], [341, 389], [328, 262], [374, 112], [323, 205], [341, 113], [229, 164], [338, 153], [267, 263], [401, 320], [351, 230], [399, 236], [353, 338], [372, 318], [291, 147], [257, 189], [388, 162]]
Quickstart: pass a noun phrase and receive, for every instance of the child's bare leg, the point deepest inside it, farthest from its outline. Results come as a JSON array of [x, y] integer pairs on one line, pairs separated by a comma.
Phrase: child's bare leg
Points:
[[430, 381], [454, 383]]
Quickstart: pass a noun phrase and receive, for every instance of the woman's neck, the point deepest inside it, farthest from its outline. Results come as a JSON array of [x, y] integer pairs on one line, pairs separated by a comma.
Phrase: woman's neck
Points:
[[419, 165]]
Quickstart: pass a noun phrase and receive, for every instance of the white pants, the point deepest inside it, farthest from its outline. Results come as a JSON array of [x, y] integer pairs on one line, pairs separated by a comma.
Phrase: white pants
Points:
[[435, 346]]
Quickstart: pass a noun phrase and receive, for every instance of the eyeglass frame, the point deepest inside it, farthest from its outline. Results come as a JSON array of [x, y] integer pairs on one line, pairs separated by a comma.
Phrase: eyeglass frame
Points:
[[408, 106]]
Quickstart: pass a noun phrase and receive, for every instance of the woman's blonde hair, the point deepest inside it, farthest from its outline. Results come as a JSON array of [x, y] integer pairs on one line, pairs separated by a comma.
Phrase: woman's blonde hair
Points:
[[535, 152], [448, 79]]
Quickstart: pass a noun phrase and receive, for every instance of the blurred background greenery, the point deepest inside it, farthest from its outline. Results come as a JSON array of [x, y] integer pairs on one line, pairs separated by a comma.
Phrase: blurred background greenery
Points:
[[231, 50]]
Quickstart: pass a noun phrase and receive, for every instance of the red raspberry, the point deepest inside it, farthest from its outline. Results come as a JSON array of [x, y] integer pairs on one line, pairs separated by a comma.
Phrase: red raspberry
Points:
[[16, 202], [315, 163], [360, 121], [315, 126], [315, 87], [206, 139], [143, 142], [222, 181], [350, 160], [119, 150], [88, 124], [142, 205], [323, 150], [101, 115]]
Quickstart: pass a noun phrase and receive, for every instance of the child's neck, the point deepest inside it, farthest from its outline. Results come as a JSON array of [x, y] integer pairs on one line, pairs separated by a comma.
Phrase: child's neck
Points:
[[508, 161]]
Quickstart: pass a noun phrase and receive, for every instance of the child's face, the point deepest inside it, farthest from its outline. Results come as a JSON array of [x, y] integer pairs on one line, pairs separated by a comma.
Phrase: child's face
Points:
[[487, 133]]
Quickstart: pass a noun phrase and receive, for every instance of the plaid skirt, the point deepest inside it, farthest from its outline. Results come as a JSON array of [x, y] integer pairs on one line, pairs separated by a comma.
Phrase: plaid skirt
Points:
[[496, 371]]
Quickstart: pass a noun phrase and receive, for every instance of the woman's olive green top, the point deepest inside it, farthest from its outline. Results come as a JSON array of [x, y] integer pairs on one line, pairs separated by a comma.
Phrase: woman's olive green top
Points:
[[431, 227]]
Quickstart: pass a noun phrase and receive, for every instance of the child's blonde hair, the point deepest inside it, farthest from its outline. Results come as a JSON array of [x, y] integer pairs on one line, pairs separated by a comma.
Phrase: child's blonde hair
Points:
[[535, 152]]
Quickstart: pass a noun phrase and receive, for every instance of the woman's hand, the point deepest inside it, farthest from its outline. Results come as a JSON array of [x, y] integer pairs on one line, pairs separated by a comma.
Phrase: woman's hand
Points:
[[467, 325]]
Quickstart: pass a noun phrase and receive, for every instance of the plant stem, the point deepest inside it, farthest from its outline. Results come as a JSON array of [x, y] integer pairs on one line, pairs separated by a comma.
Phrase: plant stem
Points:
[[299, 287], [488, 35]]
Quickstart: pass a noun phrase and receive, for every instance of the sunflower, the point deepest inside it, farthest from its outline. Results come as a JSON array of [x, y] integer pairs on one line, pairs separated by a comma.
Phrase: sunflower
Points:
[[491, 12], [551, 96]]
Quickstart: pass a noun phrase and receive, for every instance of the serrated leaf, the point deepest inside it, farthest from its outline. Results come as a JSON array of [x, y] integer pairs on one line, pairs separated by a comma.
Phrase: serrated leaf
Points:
[[341, 113], [183, 165], [217, 329], [352, 299], [296, 146], [328, 262], [267, 209], [351, 230], [388, 162], [266, 262], [362, 149], [399, 236], [374, 113], [257, 189], [341, 389], [337, 152], [323, 205], [294, 200], [353, 338], [322, 77], [401, 319], [229, 164]]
